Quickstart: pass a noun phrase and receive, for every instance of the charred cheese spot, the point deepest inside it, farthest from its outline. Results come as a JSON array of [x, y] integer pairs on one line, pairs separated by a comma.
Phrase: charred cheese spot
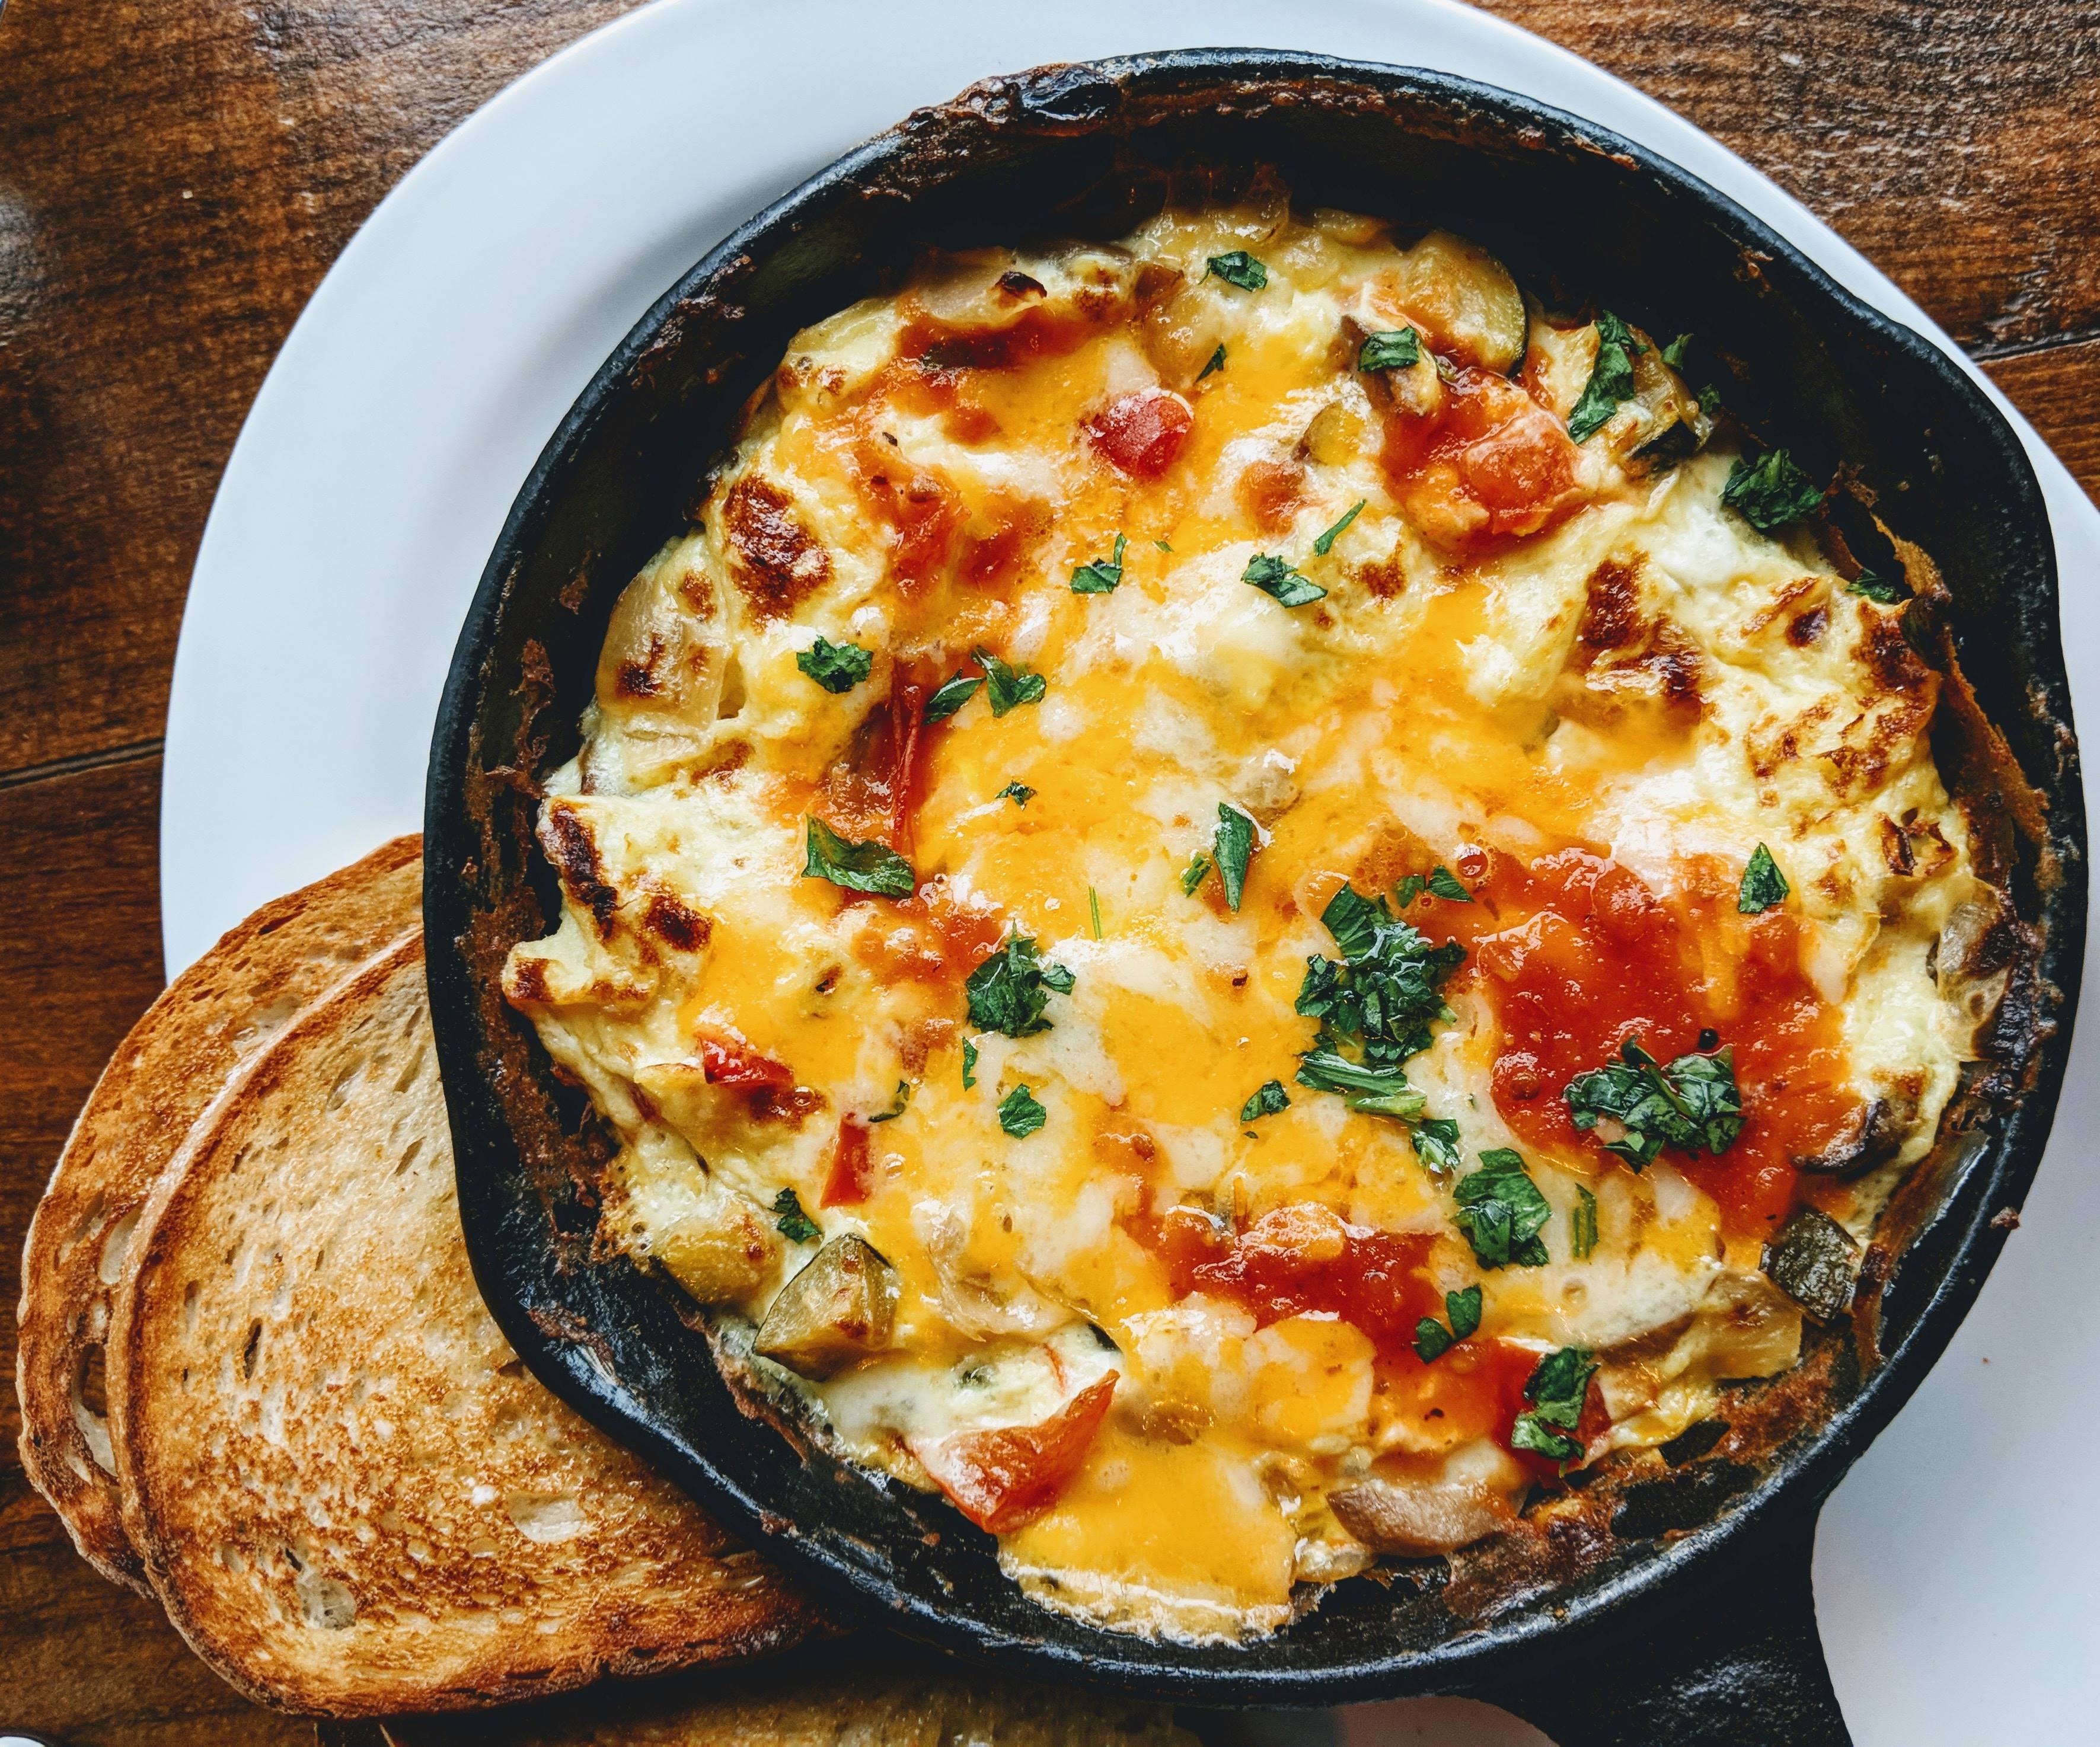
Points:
[[1167, 1350]]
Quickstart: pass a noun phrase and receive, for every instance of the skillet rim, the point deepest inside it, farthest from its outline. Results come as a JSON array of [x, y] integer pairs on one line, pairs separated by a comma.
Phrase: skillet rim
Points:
[[1793, 1480]]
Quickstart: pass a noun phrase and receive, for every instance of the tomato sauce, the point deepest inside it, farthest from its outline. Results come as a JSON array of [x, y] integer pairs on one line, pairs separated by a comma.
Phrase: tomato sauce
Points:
[[1577, 954]]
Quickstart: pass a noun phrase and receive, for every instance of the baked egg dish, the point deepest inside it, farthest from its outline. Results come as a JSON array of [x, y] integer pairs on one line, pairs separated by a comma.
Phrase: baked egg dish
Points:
[[1245, 900]]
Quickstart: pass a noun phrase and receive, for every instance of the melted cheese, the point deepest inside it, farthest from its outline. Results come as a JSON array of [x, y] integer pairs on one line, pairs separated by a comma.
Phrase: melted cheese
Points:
[[1527, 649]]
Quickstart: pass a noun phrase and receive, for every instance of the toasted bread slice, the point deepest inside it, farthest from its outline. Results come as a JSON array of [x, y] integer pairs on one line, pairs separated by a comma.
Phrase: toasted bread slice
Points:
[[349, 1493], [874, 1693], [216, 1015]]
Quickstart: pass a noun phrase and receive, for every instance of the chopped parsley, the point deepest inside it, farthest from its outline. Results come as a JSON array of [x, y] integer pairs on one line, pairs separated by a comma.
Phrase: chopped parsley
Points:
[[1770, 491], [1396, 349], [1269, 1098], [1232, 848], [1502, 1212], [1020, 1114], [793, 1223], [1877, 588], [1611, 377], [969, 1065], [898, 1105], [1432, 1340], [1164, 545], [1372, 1091], [1442, 882], [1709, 400], [1763, 884], [1582, 1225], [1556, 1390], [1436, 1140], [1103, 576], [1673, 354], [860, 866], [1237, 268], [1692, 1104], [1217, 361], [1275, 578], [950, 696], [1326, 543], [1009, 990], [1374, 1006], [1019, 793], [837, 667], [1007, 687], [1192, 876]]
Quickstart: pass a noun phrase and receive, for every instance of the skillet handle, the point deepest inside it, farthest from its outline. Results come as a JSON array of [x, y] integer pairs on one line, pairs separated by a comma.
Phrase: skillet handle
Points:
[[1729, 1659]]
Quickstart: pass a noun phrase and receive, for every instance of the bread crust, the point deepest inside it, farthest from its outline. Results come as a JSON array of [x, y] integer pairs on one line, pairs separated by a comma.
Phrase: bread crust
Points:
[[213, 1018], [347, 1492]]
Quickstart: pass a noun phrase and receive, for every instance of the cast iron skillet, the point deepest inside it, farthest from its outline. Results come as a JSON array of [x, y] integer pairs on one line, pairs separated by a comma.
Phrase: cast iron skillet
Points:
[[1677, 1610]]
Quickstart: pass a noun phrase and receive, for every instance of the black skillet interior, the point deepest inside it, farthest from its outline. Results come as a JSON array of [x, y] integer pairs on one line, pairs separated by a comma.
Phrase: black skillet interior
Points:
[[1579, 214]]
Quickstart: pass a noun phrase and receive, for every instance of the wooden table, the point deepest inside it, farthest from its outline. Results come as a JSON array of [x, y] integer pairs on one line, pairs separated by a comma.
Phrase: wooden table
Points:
[[174, 179]]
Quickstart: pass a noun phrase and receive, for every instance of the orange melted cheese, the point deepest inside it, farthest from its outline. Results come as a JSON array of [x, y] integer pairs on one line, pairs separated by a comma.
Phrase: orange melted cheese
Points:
[[1562, 671]]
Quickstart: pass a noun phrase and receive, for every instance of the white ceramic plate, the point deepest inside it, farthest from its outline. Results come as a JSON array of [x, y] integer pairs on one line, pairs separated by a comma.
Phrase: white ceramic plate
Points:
[[1955, 1569]]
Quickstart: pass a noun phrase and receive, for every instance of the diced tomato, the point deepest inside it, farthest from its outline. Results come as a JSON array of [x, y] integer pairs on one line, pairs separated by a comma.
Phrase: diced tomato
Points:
[[852, 1170], [1142, 433], [1001, 1479], [874, 786], [730, 1061], [1490, 464]]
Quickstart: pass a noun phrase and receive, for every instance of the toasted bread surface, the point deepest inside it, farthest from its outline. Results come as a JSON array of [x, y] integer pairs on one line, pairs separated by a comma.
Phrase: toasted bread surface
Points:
[[872, 1692], [348, 1492], [214, 1017]]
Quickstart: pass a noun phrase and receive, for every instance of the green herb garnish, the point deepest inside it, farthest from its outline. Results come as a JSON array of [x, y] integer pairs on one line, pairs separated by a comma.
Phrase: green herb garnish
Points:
[[860, 866], [1763, 884], [1164, 545], [1709, 400], [793, 1223], [1007, 687], [1673, 354], [1239, 268], [1502, 1212], [1397, 349], [1611, 377], [1692, 1104], [1102, 576], [1232, 847], [1436, 1140], [1019, 793], [1094, 909], [1326, 543], [1442, 882], [1008, 992], [1217, 360], [1582, 1225], [951, 695], [1380, 999], [1556, 1390], [1269, 1098], [1275, 578], [837, 667], [1372, 1091], [1019, 1113], [1192, 876], [897, 1104], [1877, 588], [969, 1065], [1770, 491], [1432, 1340]]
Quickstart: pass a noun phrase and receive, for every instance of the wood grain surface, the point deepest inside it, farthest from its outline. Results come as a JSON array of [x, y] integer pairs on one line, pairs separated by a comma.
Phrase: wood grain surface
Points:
[[174, 179]]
